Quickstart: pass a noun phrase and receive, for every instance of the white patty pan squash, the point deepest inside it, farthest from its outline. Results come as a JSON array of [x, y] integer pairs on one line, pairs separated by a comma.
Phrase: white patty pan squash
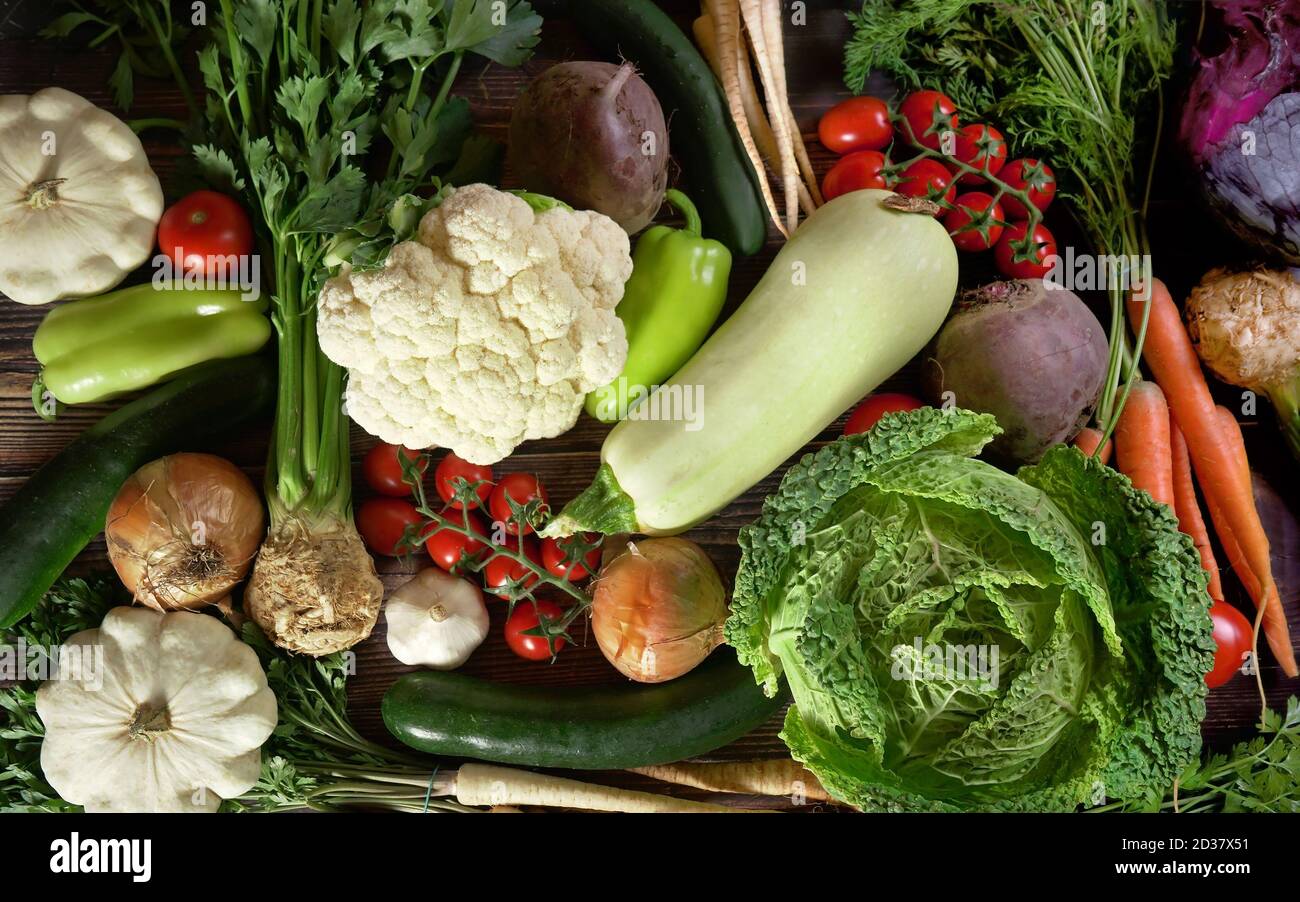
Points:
[[78, 201], [171, 717]]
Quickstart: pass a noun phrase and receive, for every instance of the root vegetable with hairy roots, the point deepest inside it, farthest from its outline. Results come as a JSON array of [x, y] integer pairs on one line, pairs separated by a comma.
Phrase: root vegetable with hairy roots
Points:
[[314, 588]]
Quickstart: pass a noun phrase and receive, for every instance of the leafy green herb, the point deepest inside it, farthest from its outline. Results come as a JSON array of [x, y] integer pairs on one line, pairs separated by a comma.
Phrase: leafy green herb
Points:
[[150, 51], [1069, 80], [1261, 774]]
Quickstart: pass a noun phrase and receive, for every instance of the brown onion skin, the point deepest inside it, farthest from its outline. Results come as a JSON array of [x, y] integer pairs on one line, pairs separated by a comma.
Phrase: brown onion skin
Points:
[[154, 545], [658, 609]]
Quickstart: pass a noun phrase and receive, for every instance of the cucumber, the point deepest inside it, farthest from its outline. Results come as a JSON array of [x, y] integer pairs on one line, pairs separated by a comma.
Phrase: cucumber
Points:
[[850, 298], [718, 172], [62, 506], [582, 728]]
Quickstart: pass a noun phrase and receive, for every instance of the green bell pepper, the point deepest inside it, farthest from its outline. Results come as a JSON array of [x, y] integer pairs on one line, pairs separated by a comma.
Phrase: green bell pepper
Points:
[[93, 349], [674, 296]]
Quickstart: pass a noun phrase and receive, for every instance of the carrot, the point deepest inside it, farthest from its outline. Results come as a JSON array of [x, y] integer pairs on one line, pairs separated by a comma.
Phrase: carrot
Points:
[[1188, 510], [1169, 353], [777, 777], [1142, 443], [1087, 441], [1271, 616]]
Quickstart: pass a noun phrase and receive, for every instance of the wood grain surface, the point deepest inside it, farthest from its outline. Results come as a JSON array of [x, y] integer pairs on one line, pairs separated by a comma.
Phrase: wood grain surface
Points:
[[567, 463]]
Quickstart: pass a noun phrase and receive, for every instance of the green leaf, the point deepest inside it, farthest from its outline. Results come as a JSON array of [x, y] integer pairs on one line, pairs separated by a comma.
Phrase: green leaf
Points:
[[67, 23], [257, 22], [334, 205], [217, 169], [511, 43], [340, 25], [122, 83]]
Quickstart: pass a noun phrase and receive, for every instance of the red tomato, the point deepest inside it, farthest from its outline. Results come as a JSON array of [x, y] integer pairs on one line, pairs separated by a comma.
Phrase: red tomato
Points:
[[1035, 267], [522, 488], [866, 414], [975, 223], [452, 466], [929, 179], [202, 226], [382, 522], [859, 123], [983, 147], [863, 169], [524, 618], [383, 471], [555, 551], [1033, 177], [447, 546], [501, 569], [929, 114], [1232, 636]]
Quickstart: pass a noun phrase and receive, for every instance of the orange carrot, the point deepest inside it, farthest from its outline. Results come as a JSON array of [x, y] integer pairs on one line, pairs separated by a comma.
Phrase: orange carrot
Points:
[[1272, 617], [1188, 510], [1173, 361], [1087, 441], [1142, 443]]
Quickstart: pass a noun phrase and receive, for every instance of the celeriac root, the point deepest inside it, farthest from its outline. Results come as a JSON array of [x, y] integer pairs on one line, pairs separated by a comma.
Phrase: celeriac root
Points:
[[314, 588]]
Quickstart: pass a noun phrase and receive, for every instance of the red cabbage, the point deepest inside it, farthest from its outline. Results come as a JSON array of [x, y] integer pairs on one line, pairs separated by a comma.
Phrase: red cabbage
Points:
[[1249, 88]]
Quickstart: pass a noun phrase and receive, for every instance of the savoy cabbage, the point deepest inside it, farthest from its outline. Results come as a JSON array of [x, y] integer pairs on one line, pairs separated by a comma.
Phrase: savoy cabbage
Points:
[[960, 638]]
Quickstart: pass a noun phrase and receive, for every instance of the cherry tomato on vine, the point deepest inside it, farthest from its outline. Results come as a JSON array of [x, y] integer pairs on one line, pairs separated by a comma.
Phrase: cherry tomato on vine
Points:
[[983, 147], [451, 466], [522, 487], [1035, 178], [555, 552], [859, 123], [524, 618], [1011, 245], [863, 169], [201, 227], [873, 407], [929, 114], [382, 522], [1232, 639], [975, 222], [383, 471], [929, 179], [446, 546], [502, 569]]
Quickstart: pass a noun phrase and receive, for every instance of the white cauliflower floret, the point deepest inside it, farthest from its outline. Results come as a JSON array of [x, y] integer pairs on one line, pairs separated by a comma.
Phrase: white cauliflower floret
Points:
[[486, 331]]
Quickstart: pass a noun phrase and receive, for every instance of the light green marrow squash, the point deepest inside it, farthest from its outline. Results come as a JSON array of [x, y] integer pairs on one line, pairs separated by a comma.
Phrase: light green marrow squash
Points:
[[858, 290]]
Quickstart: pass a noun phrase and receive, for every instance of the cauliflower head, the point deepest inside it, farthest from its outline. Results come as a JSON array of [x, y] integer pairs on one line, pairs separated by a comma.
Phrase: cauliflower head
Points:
[[487, 330]]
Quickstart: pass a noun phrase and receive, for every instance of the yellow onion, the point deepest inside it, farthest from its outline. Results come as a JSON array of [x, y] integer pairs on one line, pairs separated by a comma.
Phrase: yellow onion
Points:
[[183, 530], [658, 609]]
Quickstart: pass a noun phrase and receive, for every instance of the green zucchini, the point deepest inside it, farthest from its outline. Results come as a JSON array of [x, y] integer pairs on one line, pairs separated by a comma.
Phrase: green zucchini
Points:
[[62, 506], [583, 728], [703, 139]]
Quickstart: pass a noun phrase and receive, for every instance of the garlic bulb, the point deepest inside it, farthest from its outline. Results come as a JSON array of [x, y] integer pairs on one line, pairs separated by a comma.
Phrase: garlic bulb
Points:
[[436, 620]]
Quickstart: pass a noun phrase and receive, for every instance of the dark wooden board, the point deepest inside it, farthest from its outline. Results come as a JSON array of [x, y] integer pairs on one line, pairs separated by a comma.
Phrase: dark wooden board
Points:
[[564, 464]]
